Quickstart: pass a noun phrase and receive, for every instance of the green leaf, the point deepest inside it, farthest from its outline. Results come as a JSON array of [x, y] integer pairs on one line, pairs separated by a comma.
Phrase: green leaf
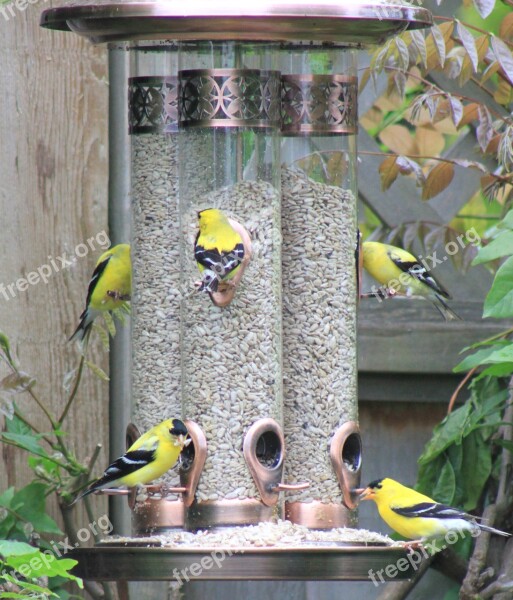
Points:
[[6, 347], [445, 487], [475, 469], [501, 246], [482, 357], [508, 444], [45, 565], [499, 300], [449, 431], [498, 370], [11, 548], [97, 370], [42, 592], [428, 475], [33, 507], [16, 425], [27, 442], [507, 222]]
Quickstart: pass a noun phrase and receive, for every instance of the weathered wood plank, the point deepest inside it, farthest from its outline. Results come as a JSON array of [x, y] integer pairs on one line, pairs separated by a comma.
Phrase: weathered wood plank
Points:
[[53, 168], [408, 336]]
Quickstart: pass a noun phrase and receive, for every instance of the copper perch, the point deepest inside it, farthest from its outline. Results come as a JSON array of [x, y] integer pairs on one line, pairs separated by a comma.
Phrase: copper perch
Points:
[[346, 458], [264, 452], [193, 461]]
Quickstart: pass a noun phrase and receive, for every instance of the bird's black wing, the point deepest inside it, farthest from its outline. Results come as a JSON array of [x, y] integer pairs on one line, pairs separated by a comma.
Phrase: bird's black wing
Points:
[[126, 464], [219, 262], [97, 273], [430, 510], [415, 269]]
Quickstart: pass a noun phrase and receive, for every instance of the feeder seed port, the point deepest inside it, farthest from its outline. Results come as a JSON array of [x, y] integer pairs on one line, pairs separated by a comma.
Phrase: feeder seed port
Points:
[[264, 452], [346, 459], [193, 457]]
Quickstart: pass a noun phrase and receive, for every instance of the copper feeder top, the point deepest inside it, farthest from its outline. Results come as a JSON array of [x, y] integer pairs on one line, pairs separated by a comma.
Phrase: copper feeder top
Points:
[[355, 22]]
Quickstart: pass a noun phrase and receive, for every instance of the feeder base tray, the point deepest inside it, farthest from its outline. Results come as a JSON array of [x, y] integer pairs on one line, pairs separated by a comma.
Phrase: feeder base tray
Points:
[[329, 561]]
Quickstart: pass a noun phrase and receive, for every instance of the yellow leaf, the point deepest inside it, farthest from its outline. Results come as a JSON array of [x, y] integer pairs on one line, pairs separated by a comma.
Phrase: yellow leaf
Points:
[[470, 113], [371, 118], [437, 180], [506, 28], [429, 141], [504, 93], [399, 139], [388, 171], [446, 126]]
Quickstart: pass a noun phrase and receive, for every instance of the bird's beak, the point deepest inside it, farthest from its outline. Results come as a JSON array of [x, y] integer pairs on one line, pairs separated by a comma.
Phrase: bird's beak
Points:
[[364, 493], [183, 441]]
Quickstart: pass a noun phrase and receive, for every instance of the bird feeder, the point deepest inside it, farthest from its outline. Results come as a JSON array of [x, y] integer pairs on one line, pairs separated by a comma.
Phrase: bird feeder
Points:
[[249, 109]]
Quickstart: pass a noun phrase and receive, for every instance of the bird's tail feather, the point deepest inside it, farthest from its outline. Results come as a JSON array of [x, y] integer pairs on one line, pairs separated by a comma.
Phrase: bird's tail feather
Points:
[[86, 492], [493, 530], [84, 327], [444, 309]]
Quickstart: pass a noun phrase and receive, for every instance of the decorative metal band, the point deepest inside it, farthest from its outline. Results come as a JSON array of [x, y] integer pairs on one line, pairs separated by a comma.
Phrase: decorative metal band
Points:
[[229, 98], [153, 104], [319, 104]]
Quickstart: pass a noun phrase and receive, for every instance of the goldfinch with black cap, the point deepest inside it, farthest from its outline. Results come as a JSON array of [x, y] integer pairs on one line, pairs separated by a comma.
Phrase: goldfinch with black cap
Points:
[[416, 516], [149, 457]]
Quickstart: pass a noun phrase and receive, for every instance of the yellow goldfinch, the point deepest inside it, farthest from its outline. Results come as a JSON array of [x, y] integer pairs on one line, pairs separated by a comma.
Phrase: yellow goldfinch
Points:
[[218, 249], [414, 515], [401, 272], [110, 287], [149, 457]]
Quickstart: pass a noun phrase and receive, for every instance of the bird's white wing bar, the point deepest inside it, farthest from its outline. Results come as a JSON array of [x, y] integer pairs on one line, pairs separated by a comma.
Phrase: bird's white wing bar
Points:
[[431, 510]]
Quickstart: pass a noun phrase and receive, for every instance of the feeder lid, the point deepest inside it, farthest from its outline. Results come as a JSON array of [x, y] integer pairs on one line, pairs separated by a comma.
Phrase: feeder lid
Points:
[[348, 22]]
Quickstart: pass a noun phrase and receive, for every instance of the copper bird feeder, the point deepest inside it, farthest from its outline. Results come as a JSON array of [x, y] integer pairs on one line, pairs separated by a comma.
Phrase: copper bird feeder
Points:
[[242, 119]]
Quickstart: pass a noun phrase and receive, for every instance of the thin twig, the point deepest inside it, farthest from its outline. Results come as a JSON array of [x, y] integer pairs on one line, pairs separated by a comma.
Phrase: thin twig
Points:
[[497, 587], [74, 390], [461, 385]]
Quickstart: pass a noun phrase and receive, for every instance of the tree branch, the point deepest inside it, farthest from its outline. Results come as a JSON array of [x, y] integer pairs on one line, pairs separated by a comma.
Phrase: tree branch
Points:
[[400, 590], [492, 513]]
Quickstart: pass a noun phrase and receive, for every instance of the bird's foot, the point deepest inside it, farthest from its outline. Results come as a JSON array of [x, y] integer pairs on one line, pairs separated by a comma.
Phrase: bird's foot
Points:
[[412, 545], [380, 294], [117, 296]]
